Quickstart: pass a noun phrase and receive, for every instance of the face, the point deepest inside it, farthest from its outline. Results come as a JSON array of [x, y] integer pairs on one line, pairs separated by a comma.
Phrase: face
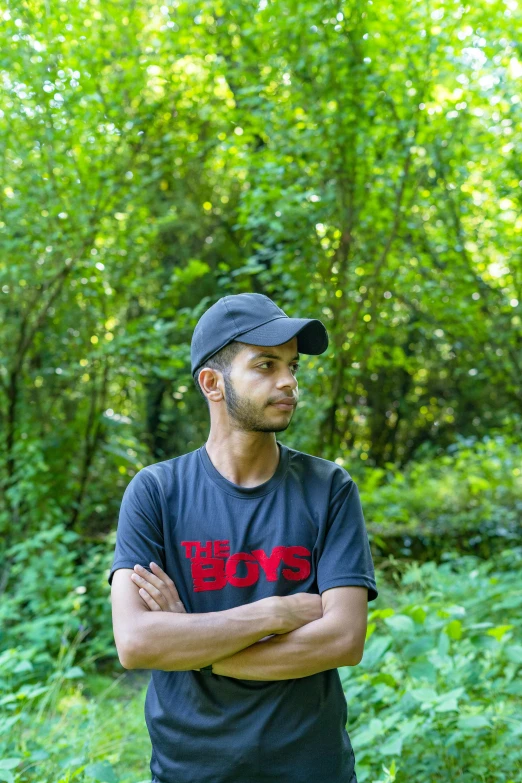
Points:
[[259, 378]]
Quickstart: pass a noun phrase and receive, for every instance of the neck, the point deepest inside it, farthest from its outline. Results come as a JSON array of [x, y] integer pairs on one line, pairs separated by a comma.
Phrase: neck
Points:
[[244, 458]]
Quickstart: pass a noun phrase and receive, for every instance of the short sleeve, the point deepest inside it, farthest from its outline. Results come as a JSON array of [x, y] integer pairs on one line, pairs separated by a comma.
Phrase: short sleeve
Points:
[[139, 536], [346, 558]]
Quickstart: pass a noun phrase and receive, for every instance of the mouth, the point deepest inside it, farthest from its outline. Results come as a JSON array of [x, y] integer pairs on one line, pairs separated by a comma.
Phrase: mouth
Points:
[[287, 406]]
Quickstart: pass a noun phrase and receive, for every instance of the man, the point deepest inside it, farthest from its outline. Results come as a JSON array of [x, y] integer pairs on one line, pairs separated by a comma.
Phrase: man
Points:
[[242, 572]]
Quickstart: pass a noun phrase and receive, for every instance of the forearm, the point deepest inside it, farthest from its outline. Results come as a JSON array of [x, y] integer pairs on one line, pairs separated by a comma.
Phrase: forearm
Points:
[[173, 641], [308, 650]]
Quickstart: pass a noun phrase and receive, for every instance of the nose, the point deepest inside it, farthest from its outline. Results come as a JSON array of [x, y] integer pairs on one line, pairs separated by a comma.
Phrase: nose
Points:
[[288, 381]]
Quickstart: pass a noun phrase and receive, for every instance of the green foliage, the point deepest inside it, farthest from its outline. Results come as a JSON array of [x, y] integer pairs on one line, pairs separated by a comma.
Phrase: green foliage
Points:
[[57, 591], [438, 691], [75, 734], [357, 166], [469, 494], [437, 694], [56, 579]]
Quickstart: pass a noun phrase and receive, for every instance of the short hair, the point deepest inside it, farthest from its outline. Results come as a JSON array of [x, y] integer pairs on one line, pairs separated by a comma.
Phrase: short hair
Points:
[[222, 361]]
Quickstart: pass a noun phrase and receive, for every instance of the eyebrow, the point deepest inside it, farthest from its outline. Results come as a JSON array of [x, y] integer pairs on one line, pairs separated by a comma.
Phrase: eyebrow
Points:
[[266, 355]]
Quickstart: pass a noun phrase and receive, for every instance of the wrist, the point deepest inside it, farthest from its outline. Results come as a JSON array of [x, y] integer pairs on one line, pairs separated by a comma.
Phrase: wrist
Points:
[[277, 623]]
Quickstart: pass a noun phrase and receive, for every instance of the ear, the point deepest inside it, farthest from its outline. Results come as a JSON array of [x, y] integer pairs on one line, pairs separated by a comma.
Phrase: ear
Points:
[[211, 383]]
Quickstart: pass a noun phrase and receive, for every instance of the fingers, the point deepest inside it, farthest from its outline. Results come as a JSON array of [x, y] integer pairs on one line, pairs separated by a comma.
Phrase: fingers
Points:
[[164, 577], [149, 600], [159, 587], [152, 586], [159, 571], [153, 579]]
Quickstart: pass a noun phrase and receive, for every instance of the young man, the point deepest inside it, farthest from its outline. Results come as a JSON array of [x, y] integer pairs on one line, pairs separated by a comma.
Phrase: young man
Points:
[[242, 572]]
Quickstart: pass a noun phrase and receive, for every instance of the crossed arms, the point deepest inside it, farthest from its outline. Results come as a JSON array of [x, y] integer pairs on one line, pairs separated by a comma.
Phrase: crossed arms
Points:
[[275, 638]]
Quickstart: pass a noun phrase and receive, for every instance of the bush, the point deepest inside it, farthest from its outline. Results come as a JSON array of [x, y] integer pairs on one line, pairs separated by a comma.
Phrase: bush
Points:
[[471, 493], [437, 695]]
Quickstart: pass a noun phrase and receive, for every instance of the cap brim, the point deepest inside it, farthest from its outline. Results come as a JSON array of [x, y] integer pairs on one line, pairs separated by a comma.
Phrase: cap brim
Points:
[[312, 337]]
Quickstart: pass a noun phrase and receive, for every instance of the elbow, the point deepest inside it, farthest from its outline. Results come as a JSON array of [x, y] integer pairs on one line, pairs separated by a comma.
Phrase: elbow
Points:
[[125, 657], [353, 659], [352, 654], [128, 655], [127, 662]]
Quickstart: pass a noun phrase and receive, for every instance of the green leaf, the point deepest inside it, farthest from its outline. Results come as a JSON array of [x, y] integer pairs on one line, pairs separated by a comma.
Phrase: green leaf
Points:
[[385, 678], [424, 694], [418, 647], [454, 629], [514, 653], [473, 722], [448, 701], [39, 755], [423, 670], [74, 673], [499, 631], [418, 613], [392, 746], [443, 646], [374, 650], [400, 622], [101, 771], [10, 763], [23, 666]]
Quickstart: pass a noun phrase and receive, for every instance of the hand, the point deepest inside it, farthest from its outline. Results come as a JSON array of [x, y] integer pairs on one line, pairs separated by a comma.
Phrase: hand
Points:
[[157, 589], [299, 609]]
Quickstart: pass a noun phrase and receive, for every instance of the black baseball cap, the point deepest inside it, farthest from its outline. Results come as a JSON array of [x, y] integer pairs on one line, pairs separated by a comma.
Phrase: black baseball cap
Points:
[[253, 319]]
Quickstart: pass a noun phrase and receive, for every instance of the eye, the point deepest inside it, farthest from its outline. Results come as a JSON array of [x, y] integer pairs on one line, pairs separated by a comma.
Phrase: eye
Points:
[[295, 366]]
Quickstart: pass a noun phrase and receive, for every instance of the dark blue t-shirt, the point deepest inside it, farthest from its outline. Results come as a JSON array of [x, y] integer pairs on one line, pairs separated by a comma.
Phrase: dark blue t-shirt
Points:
[[224, 546]]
